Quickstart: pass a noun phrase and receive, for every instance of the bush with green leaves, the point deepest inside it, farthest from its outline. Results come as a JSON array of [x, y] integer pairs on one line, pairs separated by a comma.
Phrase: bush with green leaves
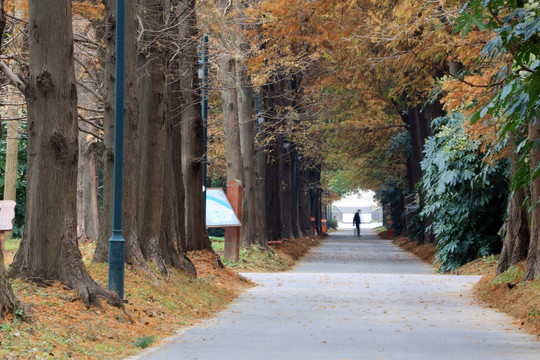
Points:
[[332, 223], [391, 193], [464, 195]]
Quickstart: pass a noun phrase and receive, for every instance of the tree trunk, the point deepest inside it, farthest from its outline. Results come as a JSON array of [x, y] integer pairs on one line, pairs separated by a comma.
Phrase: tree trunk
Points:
[[244, 91], [273, 194], [12, 153], [49, 250], [419, 125], [8, 300], [106, 214], [175, 127], [288, 191], [516, 237], [172, 231], [152, 129], [261, 218], [134, 254], [130, 192], [87, 188], [87, 178], [304, 208], [533, 257], [12, 136], [192, 133], [295, 184]]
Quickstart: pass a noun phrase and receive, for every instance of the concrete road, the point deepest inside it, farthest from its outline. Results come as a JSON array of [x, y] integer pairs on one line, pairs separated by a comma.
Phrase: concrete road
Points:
[[354, 299]]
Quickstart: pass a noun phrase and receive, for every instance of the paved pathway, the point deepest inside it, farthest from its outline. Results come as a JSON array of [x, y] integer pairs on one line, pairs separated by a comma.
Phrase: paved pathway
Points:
[[354, 299]]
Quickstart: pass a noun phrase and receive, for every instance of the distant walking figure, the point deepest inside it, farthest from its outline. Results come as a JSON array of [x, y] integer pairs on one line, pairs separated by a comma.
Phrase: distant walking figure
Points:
[[356, 221]]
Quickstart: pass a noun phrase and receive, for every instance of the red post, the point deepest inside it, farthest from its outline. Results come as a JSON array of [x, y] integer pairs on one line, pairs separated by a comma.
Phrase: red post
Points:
[[232, 234]]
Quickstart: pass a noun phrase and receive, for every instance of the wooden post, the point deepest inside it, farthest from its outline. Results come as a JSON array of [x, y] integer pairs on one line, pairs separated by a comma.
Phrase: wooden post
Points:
[[232, 234]]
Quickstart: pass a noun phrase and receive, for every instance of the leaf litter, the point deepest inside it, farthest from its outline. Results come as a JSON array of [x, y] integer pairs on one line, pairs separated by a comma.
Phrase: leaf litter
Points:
[[62, 327]]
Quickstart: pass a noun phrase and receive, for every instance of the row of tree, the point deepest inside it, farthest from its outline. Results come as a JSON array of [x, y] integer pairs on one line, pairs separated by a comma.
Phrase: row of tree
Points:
[[434, 104], [63, 66]]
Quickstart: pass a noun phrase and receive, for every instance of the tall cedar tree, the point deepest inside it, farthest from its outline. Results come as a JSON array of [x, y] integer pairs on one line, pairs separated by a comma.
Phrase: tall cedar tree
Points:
[[8, 300], [49, 248], [134, 254], [192, 131]]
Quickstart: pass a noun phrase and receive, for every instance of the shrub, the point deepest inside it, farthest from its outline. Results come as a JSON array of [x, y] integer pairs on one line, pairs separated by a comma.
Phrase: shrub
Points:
[[464, 195]]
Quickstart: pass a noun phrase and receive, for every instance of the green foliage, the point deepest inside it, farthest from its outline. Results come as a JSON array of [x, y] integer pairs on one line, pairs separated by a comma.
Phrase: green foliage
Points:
[[400, 143], [341, 182], [415, 227], [18, 222], [144, 342], [516, 100], [464, 196], [391, 194], [218, 243], [512, 274], [332, 223], [216, 232]]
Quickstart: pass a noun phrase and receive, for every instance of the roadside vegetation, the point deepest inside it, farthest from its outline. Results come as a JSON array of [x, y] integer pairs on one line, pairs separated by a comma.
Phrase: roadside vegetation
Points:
[[59, 326]]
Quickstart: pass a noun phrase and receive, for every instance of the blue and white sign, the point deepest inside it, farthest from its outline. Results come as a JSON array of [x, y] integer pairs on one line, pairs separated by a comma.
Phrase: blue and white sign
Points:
[[219, 212]]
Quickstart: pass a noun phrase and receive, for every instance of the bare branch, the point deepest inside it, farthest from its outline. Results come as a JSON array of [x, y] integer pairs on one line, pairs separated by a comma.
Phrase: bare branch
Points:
[[91, 110], [14, 119], [92, 91], [89, 122], [13, 78], [91, 133]]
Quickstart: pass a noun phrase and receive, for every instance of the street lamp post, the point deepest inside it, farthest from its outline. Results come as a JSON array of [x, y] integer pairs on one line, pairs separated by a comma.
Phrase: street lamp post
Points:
[[117, 242], [205, 113]]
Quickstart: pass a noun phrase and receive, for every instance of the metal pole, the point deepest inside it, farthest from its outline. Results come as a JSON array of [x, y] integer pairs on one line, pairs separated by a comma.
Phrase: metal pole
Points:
[[205, 114], [117, 242], [296, 172], [283, 229]]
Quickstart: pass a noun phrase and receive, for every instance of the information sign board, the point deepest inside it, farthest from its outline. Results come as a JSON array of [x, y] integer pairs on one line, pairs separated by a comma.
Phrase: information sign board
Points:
[[219, 212]]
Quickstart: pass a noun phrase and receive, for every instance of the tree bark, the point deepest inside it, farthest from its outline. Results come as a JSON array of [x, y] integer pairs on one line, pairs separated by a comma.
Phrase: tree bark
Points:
[[244, 91], [153, 110], [235, 169], [192, 133], [261, 224], [304, 208], [288, 191], [516, 237], [175, 127], [106, 214], [533, 257], [273, 193], [12, 136], [8, 301], [172, 231], [49, 250], [12, 153], [87, 178], [419, 127], [134, 254]]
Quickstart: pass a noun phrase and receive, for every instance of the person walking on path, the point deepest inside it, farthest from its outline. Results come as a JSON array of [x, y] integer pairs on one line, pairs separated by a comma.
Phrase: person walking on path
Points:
[[356, 221]]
